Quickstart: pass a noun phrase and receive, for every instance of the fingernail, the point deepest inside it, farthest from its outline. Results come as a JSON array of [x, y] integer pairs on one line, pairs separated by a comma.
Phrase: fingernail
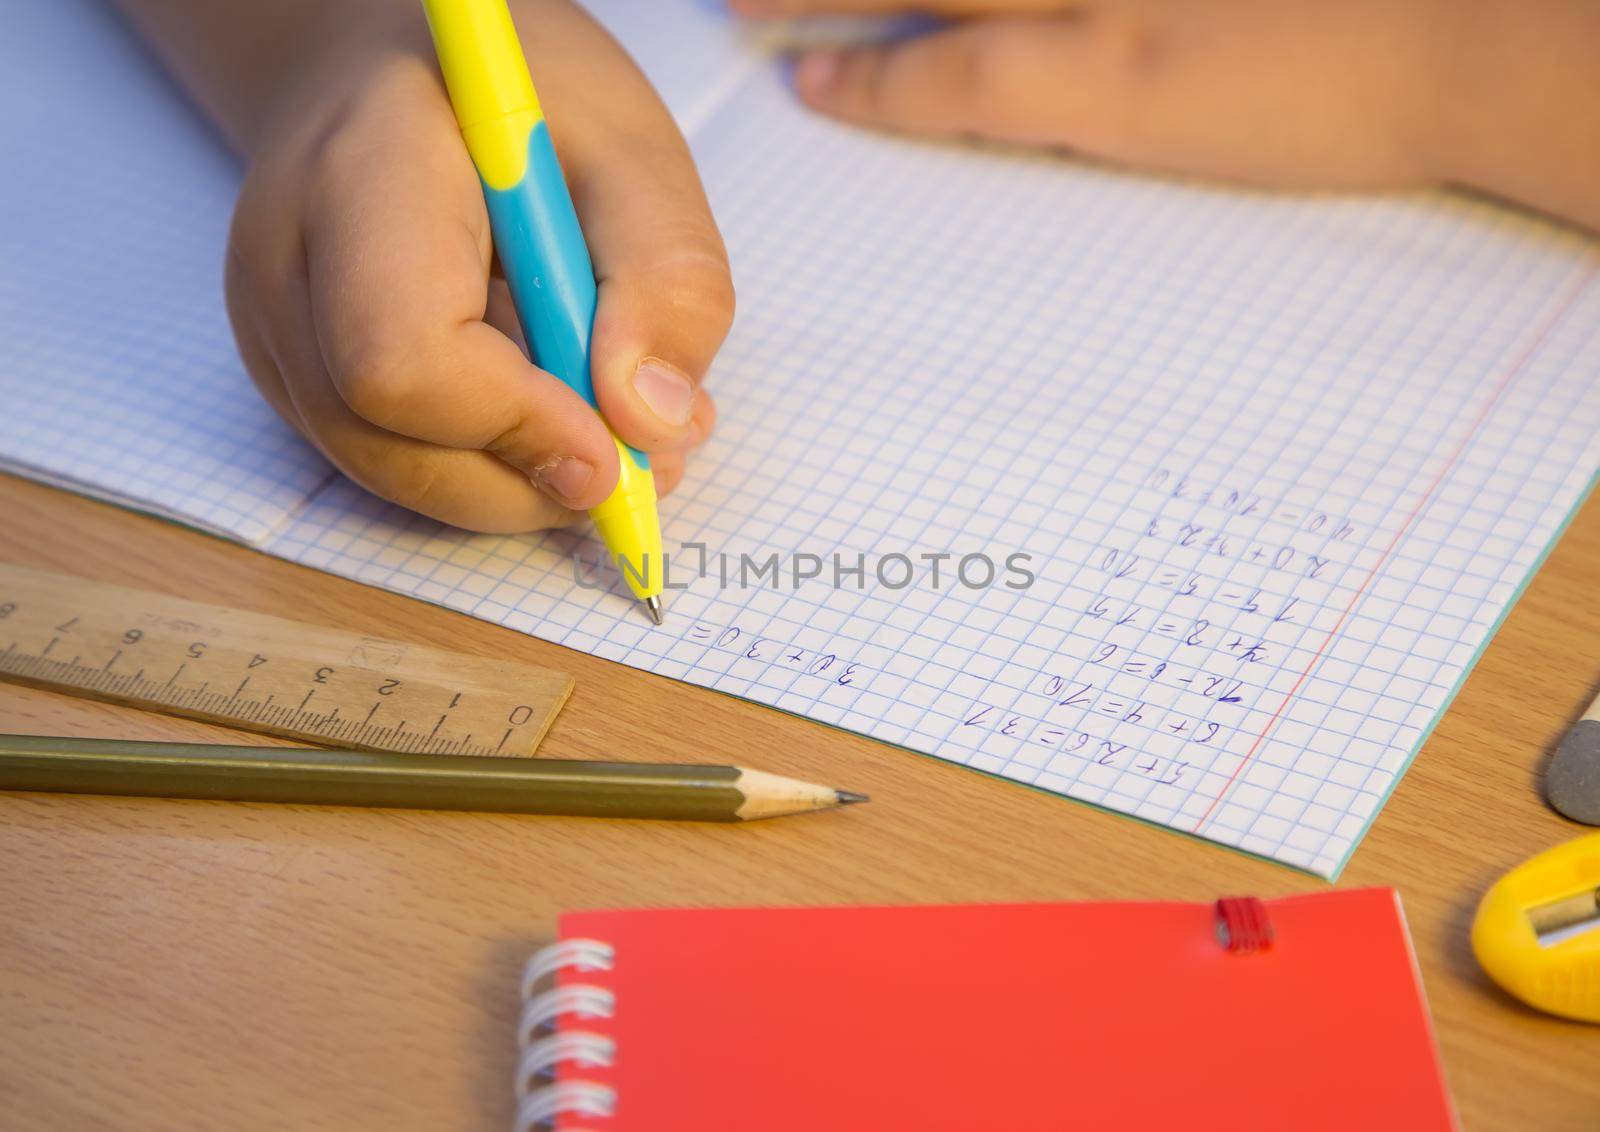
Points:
[[816, 72], [565, 478], [666, 389]]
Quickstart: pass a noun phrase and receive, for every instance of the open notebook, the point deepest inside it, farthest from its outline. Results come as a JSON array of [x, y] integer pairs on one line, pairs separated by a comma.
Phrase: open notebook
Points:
[[1279, 463], [1303, 1013]]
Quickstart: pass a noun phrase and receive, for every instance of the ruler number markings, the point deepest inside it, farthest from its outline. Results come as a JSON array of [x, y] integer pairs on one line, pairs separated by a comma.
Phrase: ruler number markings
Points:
[[207, 647]]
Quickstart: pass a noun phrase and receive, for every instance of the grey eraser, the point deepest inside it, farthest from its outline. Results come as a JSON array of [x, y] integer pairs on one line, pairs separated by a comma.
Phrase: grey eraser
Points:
[[1572, 784]]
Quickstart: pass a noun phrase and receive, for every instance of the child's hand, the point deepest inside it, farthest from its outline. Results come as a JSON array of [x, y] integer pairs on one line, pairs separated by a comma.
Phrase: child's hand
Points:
[[358, 275], [1498, 94]]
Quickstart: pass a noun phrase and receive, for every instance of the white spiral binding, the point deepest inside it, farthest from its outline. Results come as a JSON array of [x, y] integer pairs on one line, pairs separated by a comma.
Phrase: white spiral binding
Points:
[[546, 1006], [584, 1098], [540, 1099], [581, 954], [538, 1062]]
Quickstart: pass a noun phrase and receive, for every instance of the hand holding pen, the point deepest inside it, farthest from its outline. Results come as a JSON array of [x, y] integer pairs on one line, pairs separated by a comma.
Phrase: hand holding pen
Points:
[[359, 269]]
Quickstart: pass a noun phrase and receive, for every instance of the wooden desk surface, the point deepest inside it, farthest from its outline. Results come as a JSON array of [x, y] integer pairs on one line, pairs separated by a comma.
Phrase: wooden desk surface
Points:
[[212, 965]]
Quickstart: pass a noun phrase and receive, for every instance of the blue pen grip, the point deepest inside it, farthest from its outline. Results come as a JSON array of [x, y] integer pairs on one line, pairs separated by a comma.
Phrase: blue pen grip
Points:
[[547, 265]]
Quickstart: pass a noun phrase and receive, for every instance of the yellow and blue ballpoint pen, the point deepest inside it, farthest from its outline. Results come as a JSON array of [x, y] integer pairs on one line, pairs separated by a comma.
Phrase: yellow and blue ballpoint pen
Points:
[[541, 247]]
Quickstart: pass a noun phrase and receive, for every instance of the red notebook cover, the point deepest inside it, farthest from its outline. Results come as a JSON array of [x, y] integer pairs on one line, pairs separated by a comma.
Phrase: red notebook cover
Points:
[[1016, 1017]]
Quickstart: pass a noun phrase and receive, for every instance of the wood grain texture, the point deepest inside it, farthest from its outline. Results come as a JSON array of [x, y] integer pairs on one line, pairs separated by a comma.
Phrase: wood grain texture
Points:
[[211, 965]]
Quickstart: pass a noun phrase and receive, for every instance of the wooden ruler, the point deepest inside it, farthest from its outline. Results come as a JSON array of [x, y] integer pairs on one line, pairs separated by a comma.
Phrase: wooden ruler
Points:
[[266, 673]]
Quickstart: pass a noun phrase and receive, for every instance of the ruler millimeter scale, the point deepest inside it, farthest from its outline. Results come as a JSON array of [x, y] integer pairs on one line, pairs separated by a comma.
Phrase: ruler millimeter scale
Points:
[[265, 673]]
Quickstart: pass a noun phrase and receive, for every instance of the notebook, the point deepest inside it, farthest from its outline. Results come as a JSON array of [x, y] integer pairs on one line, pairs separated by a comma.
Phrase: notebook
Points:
[[1308, 1013], [1256, 475]]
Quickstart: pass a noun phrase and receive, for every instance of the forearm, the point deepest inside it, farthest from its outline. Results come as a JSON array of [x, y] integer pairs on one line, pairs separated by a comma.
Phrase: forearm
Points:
[[1520, 114], [235, 57]]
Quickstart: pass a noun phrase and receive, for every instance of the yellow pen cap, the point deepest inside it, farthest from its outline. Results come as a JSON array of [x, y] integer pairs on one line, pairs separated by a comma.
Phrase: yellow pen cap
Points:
[[481, 59], [487, 76]]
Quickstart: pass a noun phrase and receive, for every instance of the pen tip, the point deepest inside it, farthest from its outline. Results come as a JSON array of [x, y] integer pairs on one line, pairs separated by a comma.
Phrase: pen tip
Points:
[[850, 797], [652, 606]]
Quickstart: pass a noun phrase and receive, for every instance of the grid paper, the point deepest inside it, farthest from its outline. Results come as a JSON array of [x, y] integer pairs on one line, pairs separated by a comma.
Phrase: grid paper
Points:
[[1281, 465], [120, 377]]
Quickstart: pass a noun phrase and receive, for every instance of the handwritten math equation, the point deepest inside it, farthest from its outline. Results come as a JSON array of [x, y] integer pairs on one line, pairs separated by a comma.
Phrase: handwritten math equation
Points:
[[1177, 624], [827, 667]]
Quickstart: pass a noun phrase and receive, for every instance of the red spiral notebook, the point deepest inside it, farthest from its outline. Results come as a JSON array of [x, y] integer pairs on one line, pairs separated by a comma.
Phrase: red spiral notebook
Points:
[[1303, 1013]]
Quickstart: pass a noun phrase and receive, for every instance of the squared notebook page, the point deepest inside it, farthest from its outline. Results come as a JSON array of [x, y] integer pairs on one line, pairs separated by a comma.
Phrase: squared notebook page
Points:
[[118, 371], [1287, 459], [1282, 464], [694, 54]]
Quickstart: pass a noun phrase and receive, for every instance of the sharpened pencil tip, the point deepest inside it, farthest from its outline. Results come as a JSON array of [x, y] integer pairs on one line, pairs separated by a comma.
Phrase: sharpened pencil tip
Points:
[[652, 606], [850, 797]]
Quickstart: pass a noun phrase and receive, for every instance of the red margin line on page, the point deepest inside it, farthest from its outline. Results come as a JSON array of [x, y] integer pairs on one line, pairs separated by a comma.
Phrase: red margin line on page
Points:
[[1551, 320]]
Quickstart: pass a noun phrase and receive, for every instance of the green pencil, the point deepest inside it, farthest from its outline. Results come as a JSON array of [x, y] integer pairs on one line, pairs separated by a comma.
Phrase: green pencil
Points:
[[435, 782]]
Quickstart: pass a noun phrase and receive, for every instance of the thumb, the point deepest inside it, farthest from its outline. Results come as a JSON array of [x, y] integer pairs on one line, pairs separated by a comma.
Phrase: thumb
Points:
[[666, 296]]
